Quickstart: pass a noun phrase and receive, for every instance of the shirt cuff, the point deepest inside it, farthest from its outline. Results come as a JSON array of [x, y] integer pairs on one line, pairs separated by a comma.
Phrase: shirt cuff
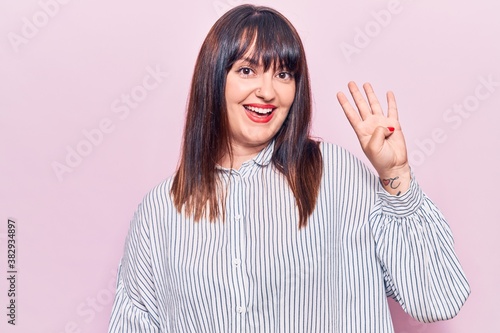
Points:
[[404, 204]]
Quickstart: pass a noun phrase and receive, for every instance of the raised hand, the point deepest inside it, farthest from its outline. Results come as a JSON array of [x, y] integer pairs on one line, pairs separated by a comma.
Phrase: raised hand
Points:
[[380, 136]]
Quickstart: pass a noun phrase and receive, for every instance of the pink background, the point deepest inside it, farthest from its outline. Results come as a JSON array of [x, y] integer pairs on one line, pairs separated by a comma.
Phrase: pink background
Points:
[[66, 65]]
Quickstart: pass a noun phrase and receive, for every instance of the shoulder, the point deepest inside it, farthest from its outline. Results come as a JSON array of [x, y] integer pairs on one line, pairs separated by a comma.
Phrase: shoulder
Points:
[[351, 180], [160, 192], [341, 165], [157, 202], [328, 147], [337, 156]]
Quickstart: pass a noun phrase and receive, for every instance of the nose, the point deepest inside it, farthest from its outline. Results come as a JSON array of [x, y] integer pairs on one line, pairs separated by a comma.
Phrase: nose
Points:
[[265, 90]]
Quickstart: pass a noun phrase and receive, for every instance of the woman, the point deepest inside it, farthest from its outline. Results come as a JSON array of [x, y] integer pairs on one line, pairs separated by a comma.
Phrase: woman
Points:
[[262, 228]]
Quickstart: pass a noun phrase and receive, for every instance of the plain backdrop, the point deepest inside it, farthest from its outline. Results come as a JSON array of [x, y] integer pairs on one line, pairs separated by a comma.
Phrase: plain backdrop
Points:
[[92, 102]]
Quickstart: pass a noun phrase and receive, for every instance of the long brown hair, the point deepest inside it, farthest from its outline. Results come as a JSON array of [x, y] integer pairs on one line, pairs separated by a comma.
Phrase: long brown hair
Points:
[[274, 42]]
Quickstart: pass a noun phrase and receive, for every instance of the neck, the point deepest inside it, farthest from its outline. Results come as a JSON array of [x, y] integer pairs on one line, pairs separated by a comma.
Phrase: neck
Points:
[[241, 154]]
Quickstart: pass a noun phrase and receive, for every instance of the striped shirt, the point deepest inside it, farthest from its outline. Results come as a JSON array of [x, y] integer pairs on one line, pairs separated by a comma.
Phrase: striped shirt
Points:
[[258, 272]]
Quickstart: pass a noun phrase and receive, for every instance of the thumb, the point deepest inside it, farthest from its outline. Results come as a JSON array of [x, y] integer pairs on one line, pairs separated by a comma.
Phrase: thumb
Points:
[[379, 135]]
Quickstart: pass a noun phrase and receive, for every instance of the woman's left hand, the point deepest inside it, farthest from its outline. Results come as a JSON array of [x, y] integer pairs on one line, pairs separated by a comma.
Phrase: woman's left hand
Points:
[[380, 136]]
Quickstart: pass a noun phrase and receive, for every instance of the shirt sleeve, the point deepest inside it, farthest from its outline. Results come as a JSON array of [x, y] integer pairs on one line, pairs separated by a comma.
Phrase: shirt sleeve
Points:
[[135, 306], [416, 250]]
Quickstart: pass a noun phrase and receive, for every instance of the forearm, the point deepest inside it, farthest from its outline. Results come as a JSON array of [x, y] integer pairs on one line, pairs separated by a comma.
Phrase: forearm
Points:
[[416, 250]]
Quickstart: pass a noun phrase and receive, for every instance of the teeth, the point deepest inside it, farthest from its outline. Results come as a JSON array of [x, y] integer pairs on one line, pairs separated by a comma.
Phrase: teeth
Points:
[[258, 110]]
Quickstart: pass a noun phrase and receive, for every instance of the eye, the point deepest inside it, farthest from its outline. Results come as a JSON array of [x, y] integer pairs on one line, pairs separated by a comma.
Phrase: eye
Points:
[[245, 71], [286, 76]]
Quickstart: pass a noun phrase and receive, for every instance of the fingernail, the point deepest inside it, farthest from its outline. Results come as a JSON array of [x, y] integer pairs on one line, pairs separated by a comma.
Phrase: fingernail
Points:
[[390, 129]]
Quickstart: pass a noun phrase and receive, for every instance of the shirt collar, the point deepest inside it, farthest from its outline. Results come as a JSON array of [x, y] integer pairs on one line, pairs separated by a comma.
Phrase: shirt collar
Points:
[[263, 158]]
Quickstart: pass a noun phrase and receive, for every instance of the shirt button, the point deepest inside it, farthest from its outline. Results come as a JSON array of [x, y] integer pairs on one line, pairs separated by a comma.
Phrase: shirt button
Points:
[[236, 262], [237, 217], [240, 309]]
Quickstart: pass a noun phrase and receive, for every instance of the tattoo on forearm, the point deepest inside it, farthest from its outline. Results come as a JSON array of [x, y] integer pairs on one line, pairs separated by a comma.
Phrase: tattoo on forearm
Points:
[[391, 182]]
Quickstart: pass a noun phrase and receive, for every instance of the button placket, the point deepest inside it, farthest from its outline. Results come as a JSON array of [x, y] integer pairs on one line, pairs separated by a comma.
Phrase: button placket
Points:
[[238, 244]]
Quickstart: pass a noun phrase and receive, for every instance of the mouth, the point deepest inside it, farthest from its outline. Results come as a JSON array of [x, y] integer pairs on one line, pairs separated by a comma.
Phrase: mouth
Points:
[[260, 113]]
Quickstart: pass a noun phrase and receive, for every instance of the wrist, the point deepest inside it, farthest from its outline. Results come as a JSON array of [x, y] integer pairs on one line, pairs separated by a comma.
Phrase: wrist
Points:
[[397, 180]]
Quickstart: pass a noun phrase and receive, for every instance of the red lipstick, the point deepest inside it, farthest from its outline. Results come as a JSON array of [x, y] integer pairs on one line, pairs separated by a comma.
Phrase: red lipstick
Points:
[[259, 113]]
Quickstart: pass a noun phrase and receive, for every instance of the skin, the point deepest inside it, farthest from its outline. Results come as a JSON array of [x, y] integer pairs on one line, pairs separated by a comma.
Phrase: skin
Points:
[[248, 84], [380, 136]]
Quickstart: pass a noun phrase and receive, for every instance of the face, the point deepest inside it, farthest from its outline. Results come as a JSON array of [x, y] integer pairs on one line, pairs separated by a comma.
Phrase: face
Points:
[[257, 104]]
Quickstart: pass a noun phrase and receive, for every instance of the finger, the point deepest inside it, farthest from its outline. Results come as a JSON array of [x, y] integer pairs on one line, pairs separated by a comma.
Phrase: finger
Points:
[[372, 99], [361, 104], [379, 135], [349, 111], [392, 106]]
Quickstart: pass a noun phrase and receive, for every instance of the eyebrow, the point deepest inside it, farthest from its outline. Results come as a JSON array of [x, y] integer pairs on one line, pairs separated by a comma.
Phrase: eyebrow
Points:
[[255, 63]]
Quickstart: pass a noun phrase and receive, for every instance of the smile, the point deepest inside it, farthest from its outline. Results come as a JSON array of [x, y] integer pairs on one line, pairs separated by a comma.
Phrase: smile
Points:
[[260, 113]]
